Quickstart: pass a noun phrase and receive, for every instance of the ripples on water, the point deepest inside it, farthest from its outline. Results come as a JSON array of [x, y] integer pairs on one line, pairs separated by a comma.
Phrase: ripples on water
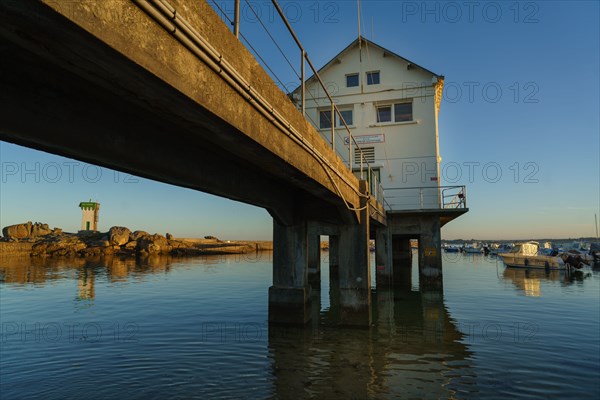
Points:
[[196, 328]]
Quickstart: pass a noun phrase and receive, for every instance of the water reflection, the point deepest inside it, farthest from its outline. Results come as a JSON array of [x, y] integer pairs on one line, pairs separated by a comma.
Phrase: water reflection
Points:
[[529, 281], [200, 331], [412, 346], [38, 271]]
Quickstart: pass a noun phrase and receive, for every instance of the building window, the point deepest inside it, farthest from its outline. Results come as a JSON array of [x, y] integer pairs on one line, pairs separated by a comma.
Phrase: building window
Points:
[[384, 114], [347, 115], [352, 80], [403, 112], [373, 78], [324, 119]]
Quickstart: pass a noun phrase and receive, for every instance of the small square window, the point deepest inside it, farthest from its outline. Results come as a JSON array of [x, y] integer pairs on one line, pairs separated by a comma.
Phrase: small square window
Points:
[[324, 119], [403, 112], [373, 78], [384, 114], [352, 80], [347, 115]]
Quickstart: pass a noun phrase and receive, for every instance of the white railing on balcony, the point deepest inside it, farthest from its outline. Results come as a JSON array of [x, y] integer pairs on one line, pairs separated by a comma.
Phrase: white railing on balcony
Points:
[[425, 198]]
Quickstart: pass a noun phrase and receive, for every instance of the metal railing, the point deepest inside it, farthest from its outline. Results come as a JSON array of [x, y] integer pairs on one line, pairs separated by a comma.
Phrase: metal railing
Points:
[[426, 198], [364, 169]]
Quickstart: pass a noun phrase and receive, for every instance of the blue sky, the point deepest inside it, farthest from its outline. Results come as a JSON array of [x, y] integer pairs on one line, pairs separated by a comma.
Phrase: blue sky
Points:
[[519, 123]]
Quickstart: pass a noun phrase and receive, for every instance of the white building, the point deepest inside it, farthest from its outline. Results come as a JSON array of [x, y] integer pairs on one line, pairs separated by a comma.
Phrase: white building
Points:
[[391, 106]]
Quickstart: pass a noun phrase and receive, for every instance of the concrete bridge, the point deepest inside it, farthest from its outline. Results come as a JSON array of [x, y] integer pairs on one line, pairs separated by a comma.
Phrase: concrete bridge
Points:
[[162, 89]]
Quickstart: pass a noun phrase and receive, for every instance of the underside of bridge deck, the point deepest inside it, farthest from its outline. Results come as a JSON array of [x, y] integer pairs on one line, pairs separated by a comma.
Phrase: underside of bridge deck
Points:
[[129, 97]]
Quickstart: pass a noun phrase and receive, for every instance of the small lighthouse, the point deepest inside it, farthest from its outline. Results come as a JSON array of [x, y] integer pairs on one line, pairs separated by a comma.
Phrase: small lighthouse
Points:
[[89, 217]]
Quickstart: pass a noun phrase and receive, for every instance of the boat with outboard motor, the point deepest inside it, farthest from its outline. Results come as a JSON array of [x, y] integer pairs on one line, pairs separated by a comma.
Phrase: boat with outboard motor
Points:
[[526, 255]]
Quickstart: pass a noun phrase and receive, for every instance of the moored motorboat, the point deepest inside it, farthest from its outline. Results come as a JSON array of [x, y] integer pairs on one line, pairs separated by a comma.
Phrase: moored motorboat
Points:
[[451, 249], [595, 252], [526, 255], [472, 248], [500, 248]]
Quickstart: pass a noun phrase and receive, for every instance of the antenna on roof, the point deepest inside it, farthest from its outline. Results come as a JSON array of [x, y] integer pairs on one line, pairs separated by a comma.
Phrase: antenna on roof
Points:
[[372, 29], [358, 13], [359, 46]]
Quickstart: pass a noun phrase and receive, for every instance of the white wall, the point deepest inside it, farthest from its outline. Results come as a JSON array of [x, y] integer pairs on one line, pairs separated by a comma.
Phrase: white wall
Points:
[[87, 215], [409, 157]]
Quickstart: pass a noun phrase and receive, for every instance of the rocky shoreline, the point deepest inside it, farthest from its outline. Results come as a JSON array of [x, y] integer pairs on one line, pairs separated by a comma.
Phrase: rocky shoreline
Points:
[[38, 240]]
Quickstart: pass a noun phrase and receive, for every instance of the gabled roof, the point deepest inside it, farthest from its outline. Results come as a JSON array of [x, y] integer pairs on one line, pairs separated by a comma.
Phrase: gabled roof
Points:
[[354, 43]]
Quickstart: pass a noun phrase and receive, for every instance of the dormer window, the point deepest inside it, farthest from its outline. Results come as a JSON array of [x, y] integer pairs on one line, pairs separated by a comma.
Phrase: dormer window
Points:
[[373, 78], [352, 80]]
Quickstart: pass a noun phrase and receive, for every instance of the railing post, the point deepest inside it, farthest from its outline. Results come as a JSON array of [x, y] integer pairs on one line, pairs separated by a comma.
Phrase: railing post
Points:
[[361, 166], [350, 150], [303, 86], [333, 126], [236, 19]]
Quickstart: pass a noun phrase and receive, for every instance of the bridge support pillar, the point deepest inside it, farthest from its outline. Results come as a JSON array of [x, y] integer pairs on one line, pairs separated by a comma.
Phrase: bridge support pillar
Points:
[[355, 274], [383, 258], [402, 262], [314, 260], [289, 297], [334, 259], [430, 257]]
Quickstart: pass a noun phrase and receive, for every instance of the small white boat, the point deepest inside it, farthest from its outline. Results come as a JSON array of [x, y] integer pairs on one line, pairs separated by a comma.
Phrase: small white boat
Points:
[[472, 248], [496, 248], [525, 255]]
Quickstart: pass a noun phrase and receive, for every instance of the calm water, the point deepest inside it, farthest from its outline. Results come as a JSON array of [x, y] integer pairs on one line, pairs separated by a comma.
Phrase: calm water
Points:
[[196, 328]]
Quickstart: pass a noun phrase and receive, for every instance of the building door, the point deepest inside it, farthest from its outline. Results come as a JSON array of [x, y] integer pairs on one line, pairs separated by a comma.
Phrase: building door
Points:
[[376, 173], [87, 225]]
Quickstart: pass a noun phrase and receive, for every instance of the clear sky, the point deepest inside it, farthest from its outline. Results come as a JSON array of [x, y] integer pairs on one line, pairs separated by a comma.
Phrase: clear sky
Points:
[[519, 123]]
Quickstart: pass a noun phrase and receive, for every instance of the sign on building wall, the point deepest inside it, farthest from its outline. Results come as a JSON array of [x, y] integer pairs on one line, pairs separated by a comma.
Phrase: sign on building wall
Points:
[[365, 139]]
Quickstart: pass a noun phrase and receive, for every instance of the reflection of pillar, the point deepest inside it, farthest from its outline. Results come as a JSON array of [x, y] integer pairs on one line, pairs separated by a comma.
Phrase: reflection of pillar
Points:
[[434, 315], [383, 258], [402, 262], [289, 297], [322, 366], [430, 257], [314, 260], [355, 276], [385, 310], [315, 307], [291, 368]]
